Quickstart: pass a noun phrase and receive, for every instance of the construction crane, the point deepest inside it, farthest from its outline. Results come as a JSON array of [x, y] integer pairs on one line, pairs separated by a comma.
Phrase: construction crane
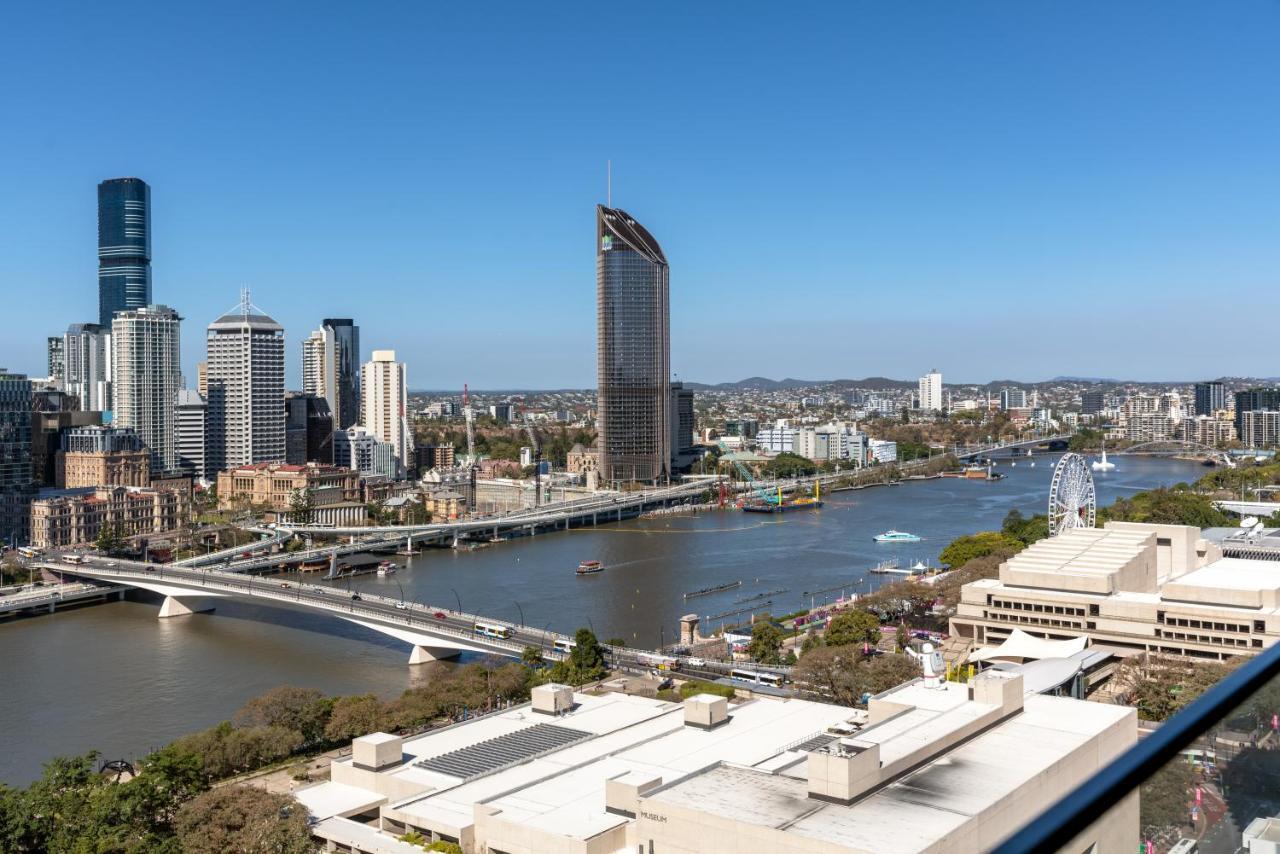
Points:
[[763, 494], [537, 456]]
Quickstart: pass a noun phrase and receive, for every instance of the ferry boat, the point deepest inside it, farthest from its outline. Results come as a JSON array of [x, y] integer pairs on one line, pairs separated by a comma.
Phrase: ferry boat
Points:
[[589, 566], [386, 568], [892, 536]]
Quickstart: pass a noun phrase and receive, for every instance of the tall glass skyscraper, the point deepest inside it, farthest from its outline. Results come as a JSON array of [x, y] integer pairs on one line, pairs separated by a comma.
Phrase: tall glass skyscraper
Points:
[[331, 368], [124, 247], [633, 328], [17, 483]]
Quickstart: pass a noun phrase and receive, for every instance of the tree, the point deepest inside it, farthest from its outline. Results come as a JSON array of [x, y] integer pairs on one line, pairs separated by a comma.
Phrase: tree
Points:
[[842, 675], [532, 656], [1025, 530], [1165, 799], [302, 506], [766, 641], [587, 656], [353, 717], [787, 464], [1159, 685], [303, 710], [109, 540], [244, 820], [970, 546], [852, 627]]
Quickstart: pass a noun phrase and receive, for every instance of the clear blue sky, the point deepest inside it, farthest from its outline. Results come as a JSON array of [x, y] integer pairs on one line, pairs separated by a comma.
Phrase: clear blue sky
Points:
[[1017, 189]]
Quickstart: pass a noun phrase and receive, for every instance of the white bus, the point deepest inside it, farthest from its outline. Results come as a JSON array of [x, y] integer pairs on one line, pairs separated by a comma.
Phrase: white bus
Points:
[[72, 559], [563, 645], [656, 660], [30, 551], [773, 680], [493, 630]]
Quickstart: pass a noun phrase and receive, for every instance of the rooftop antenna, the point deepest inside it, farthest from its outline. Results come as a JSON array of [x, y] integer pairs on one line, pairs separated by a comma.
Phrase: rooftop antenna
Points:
[[608, 183], [244, 302]]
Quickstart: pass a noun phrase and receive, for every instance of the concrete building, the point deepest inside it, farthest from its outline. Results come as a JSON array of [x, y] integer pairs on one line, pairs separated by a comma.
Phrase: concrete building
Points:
[[1208, 430], [1131, 586], [48, 424], [1210, 397], [950, 769], [633, 364], [147, 370], [882, 451], [837, 441], [331, 368], [1092, 403], [682, 427], [273, 485], [55, 359], [503, 411], [777, 439], [1150, 427], [931, 391], [245, 350], [435, 457], [1259, 428], [72, 520], [1012, 398], [193, 413], [17, 481], [102, 456], [384, 403], [1254, 400], [87, 354], [357, 448]]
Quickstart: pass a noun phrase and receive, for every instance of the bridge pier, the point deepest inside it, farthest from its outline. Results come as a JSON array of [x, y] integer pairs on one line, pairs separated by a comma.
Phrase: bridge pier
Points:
[[428, 654], [175, 607]]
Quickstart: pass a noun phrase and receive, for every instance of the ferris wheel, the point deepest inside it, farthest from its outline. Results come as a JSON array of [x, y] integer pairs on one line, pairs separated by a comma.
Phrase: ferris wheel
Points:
[[1073, 501]]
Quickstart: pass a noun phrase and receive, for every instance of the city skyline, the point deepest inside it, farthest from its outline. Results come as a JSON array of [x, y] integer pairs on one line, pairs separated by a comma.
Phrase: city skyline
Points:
[[863, 178]]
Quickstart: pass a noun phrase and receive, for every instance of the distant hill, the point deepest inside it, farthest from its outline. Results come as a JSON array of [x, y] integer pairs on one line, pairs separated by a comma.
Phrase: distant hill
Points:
[[756, 384]]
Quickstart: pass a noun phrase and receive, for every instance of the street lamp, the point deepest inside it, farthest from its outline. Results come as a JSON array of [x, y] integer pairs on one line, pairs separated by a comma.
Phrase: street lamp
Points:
[[521, 610], [457, 599]]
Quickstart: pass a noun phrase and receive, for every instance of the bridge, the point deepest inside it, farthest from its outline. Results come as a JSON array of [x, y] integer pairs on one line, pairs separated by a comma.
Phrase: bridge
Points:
[[1176, 448], [432, 632], [987, 450]]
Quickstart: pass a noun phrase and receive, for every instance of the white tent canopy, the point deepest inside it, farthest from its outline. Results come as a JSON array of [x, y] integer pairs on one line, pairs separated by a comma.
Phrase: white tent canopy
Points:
[[1020, 645]]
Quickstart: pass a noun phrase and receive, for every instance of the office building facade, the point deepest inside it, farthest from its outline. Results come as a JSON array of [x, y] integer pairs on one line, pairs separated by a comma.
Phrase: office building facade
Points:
[[1092, 403], [124, 247], [1211, 397], [245, 377], [192, 424], [308, 429], [331, 368], [148, 374], [87, 356], [17, 483], [1013, 398], [682, 427], [1255, 400], [384, 403], [633, 338]]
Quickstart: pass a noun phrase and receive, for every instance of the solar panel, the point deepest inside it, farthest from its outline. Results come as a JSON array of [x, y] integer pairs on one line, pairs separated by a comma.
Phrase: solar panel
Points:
[[494, 753], [814, 743]]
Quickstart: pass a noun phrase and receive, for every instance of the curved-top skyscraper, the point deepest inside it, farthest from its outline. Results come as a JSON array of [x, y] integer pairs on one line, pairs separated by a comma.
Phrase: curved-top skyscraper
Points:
[[124, 247], [634, 350]]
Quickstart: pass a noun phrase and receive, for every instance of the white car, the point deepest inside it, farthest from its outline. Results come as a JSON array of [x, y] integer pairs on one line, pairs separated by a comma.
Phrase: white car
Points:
[[400, 606], [695, 662]]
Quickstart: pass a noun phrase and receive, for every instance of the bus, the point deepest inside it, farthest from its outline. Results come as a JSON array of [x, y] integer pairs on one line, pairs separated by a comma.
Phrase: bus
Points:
[[493, 630], [563, 645], [30, 551], [658, 661], [773, 680], [72, 559], [1184, 846]]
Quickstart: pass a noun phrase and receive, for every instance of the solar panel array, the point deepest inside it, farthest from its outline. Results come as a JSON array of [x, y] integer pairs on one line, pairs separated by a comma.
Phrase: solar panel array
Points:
[[505, 750], [821, 740]]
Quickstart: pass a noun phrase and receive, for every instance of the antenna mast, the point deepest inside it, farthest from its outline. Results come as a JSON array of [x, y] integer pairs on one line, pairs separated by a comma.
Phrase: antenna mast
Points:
[[608, 192]]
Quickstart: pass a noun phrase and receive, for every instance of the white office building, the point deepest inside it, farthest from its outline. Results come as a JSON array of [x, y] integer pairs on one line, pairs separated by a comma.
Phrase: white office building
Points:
[[837, 441], [384, 403], [1013, 398], [148, 374], [882, 451], [245, 377], [86, 354], [776, 439], [191, 431], [931, 391], [358, 449]]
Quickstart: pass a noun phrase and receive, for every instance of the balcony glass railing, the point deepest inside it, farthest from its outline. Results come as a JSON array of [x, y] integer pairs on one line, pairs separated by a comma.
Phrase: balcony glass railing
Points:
[[1207, 780]]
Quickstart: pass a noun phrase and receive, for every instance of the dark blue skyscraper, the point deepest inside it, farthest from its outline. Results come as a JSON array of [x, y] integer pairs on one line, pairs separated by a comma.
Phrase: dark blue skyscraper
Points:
[[17, 482], [124, 247]]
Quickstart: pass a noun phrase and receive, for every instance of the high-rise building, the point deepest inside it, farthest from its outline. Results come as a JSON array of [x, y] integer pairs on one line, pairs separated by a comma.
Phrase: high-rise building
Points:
[[124, 247], [633, 340], [102, 456], [308, 429], [1211, 397], [245, 354], [682, 427], [1092, 402], [202, 379], [56, 360], [1260, 399], [147, 377], [931, 391], [87, 355], [1260, 428], [192, 427], [1013, 398], [330, 368], [358, 449], [384, 403], [17, 483]]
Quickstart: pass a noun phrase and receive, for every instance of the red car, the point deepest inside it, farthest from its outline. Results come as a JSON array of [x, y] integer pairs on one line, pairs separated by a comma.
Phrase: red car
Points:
[[439, 615]]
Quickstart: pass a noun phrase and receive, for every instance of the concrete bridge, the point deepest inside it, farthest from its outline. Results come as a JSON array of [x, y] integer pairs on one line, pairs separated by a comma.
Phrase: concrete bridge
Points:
[[986, 450], [432, 632]]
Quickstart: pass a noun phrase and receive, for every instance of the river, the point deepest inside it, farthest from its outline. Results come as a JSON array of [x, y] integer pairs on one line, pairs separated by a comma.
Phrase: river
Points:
[[115, 678]]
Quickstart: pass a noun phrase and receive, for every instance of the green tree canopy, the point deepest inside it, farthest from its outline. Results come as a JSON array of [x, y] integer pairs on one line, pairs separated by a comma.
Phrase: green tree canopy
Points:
[[852, 627], [766, 641], [842, 675], [787, 464], [966, 548], [245, 820]]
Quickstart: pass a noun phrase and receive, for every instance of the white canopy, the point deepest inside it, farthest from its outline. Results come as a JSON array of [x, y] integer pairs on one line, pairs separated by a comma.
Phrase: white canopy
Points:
[[1020, 645]]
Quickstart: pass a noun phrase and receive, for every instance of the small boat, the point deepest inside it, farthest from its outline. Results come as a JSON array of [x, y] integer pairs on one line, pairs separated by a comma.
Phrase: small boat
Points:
[[892, 536], [589, 566], [386, 568]]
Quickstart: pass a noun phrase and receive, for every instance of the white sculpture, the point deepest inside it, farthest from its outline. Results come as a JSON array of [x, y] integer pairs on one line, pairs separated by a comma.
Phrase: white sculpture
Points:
[[930, 665]]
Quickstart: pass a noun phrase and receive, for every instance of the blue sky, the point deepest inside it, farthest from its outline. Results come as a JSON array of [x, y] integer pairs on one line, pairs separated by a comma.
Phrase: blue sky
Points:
[[1017, 189]]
